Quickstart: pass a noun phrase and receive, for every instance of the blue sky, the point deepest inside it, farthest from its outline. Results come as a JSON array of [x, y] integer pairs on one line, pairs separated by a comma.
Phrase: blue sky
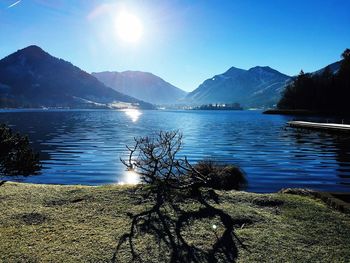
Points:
[[184, 42]]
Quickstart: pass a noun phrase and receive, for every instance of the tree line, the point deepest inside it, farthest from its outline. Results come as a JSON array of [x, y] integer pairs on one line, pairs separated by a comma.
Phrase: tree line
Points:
[[217, 106], [324, 92]]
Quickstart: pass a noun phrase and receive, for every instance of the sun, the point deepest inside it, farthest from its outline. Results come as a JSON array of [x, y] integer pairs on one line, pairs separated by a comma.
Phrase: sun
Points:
[[129, 27]]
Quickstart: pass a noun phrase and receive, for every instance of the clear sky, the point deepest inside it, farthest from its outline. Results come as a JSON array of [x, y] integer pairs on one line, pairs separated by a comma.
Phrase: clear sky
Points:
[[182, 41]]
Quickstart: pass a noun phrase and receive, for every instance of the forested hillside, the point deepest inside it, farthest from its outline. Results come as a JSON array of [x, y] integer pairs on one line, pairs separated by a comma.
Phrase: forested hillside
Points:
[[324, 92]]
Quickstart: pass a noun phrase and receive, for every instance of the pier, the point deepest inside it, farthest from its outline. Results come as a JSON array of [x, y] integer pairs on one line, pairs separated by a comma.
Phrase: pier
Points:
[[334, 127]]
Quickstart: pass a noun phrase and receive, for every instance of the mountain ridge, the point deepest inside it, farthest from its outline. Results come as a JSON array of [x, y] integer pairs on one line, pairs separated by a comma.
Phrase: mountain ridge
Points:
[[34, 78], [142, 85], [31, 77], [255, 87]]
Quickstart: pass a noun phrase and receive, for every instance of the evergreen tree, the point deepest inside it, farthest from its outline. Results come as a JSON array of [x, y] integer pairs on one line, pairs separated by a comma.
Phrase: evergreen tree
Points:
[[325, 92]]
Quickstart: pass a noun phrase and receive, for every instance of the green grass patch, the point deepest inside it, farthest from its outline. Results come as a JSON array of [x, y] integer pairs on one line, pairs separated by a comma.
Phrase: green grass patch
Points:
[[50, 223]]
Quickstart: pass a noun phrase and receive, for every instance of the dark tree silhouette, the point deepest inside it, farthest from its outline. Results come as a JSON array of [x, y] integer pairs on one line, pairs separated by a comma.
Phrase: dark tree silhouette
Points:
[[16, 155], [324, 92], [225, 106], [346, 54], [168, 182]]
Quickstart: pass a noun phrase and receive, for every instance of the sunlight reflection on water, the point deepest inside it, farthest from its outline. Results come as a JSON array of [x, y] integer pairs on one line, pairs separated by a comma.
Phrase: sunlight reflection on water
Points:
[[133, 114], [84, 146], [129, 177]]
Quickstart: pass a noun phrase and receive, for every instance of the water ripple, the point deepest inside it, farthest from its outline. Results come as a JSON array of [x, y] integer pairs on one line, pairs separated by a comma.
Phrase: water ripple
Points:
[[84, 147]]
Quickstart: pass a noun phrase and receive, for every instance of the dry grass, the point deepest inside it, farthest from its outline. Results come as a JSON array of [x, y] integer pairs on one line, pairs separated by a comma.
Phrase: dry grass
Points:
[[49, 223]]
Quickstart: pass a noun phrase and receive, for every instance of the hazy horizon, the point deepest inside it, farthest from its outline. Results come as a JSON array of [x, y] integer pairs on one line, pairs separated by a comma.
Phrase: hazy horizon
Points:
[[183, 43]]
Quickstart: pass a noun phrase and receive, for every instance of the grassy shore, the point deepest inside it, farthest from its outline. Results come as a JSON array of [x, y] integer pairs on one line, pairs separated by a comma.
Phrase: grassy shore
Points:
[[49, 223]]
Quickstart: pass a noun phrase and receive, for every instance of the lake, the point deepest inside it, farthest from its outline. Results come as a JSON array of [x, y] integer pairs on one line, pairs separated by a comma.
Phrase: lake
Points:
[[84, 146]]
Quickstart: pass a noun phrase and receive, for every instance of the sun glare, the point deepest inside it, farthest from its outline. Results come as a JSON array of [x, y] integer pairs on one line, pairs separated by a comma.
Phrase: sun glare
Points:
[[130, 177], [133, 114], [129, 27]]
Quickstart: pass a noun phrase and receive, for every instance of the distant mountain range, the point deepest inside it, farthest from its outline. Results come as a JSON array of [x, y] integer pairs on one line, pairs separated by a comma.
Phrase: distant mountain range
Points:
[[31, 77], [256, 87], [142, 85]]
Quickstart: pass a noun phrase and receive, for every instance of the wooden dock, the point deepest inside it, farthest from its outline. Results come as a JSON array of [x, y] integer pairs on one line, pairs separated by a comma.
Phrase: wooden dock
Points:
[[333, 127]]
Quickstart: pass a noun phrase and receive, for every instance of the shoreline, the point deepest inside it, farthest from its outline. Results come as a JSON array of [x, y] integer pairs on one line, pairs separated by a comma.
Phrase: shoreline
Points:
[[337, 200]]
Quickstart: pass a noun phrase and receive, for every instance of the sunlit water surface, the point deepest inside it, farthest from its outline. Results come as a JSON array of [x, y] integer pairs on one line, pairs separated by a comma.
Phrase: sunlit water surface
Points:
[[84, 147]]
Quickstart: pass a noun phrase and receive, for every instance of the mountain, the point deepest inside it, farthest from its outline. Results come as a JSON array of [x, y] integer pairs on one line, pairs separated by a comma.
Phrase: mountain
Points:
[[325, 91], [142, 85], [256, 87], [334, 67], [31, 77]]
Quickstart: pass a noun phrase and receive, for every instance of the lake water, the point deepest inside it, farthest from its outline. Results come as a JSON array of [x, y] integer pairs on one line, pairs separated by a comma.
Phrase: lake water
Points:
[[84, 146]]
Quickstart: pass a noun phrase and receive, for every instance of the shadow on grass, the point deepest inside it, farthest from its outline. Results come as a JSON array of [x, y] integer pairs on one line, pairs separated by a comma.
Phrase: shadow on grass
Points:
[[166, 222]]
